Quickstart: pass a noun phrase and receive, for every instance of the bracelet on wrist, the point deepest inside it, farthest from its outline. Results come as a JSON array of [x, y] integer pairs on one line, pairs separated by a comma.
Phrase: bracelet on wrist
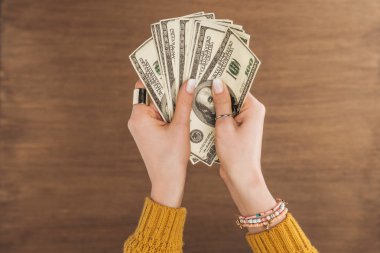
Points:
[[264, 219]]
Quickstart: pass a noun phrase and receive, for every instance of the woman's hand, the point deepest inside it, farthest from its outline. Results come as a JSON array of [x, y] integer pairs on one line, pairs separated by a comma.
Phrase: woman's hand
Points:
[[164, 147], [238, 145]]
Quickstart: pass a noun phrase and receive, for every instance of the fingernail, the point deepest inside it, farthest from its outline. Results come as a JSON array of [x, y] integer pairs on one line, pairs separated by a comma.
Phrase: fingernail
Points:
[[190, 86], [217, 85]]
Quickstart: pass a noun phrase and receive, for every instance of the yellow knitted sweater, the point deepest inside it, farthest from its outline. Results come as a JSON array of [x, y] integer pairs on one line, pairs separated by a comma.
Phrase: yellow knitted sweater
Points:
[[160, 229]]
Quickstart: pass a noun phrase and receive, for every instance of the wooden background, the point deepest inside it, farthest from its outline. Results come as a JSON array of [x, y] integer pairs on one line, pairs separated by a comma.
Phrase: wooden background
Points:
[[72, 179]]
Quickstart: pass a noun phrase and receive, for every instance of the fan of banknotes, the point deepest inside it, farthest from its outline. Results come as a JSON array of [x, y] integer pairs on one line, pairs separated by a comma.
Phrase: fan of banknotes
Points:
[[197, 46]]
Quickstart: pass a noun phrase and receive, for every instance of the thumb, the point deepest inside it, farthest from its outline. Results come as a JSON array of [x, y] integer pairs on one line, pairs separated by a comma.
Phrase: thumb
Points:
[[184, 102], [222, 99]]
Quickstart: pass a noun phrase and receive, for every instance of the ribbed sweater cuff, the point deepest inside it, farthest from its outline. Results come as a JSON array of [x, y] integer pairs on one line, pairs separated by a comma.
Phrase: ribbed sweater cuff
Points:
[[160, 229], [287, 236]]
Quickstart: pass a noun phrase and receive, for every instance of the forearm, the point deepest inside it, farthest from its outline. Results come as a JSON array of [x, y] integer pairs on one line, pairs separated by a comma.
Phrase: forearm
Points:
[[160, 229]]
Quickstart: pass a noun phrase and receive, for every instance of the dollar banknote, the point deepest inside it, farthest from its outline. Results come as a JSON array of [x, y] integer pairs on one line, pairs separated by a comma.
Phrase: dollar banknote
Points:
[[209, 37], [156, 34], [202, 47], [145, 61], [170, 36], [236, 65], [168, 52], [185, 31]]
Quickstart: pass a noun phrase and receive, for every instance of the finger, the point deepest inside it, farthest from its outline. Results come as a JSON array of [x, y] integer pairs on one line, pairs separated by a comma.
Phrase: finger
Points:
[[140, 109], [153, 106], [155, 110], [139, 85], [222, 100], [252, 110], [254, 105], [247, 104], [155, 113], [184, 102]]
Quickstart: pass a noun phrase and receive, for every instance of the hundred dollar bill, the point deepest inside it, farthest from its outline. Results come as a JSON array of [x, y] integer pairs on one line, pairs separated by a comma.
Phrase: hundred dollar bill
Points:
[[170, 34], [192, 37], [170, 74], [236, 65], [191, 45], [208, 39], [194, 46], [185, 28], [145, 61], [156, 34], [182, 48], [238, 29]]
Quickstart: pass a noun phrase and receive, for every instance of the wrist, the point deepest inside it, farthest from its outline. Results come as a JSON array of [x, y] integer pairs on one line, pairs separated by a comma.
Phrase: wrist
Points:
[[167, 183], [167, 194], [257, 199], [254, 199], [250, 192]]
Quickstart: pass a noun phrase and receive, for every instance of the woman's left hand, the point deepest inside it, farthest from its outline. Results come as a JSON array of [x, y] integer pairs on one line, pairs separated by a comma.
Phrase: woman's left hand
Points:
[[164, 147]]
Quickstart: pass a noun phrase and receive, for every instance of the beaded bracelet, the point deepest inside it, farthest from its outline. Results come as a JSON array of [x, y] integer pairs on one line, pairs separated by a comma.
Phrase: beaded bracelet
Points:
[[264, 218]]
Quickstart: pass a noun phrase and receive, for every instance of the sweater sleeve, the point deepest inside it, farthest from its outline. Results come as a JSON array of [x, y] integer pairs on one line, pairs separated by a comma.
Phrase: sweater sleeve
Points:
[[160, 229], [286, 236]]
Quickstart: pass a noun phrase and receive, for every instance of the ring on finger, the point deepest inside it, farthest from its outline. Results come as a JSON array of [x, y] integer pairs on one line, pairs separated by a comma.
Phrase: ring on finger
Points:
[[224, 115], [140, 96]]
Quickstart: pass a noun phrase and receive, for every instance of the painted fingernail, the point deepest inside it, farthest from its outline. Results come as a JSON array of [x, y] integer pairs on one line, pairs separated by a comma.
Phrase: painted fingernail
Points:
[[190, 86], [217, 86]]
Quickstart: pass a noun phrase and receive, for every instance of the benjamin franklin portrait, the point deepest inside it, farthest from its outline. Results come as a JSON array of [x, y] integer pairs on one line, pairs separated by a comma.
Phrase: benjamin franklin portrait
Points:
[[203, 104]]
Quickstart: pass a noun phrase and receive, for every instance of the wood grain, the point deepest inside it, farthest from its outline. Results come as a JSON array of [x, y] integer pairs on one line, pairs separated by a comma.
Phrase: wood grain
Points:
[[72, 179]]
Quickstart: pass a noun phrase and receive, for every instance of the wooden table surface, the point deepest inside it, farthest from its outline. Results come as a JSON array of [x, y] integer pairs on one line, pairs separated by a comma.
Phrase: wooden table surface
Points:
[[72, 179]]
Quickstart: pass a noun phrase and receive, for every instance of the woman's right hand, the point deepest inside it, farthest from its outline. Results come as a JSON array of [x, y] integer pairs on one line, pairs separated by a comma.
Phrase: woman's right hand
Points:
[[238, 145]]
